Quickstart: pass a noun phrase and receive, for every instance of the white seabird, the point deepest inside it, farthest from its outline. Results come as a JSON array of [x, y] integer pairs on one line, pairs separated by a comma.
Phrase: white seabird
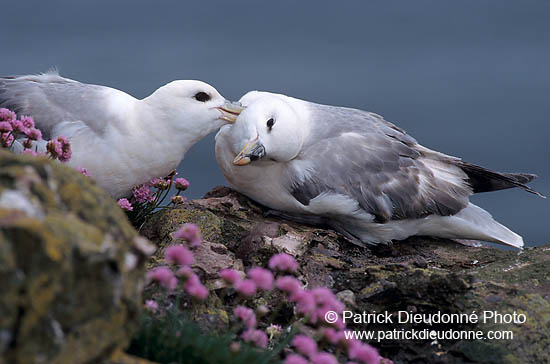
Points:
[[120, 140], [356, 172]]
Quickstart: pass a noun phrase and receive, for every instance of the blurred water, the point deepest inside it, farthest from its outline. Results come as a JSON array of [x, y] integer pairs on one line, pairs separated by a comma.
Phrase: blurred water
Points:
[[467, 78]]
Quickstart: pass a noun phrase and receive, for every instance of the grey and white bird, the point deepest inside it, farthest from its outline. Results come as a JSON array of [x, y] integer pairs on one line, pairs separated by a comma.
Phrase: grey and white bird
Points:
[[120, 140], [355, 171]]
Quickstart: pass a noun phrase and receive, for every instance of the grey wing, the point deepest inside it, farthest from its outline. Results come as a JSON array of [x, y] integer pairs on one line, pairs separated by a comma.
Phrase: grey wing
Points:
[[390, 177], [334, 120], [51, 99]]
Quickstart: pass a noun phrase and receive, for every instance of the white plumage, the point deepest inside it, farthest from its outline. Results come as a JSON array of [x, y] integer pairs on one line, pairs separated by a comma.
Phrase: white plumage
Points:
[[120, 140]]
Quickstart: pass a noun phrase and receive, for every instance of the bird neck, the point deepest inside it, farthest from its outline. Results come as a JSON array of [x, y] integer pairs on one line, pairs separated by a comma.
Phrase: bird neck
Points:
[[158, 134]]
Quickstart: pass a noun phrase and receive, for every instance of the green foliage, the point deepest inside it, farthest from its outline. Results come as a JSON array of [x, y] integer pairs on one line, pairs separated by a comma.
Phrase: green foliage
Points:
[[172, 338]]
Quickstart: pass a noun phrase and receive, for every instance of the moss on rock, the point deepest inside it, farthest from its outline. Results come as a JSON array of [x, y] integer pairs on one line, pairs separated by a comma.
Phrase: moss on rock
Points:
[[71, 266]]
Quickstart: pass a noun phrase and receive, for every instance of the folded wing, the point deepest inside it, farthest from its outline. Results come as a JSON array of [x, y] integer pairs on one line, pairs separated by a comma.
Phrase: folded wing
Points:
[[51, 99]]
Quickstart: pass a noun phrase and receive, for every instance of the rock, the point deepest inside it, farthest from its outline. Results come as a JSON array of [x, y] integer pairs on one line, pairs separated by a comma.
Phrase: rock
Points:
[[71, 266], [419, 275], [347, 297]]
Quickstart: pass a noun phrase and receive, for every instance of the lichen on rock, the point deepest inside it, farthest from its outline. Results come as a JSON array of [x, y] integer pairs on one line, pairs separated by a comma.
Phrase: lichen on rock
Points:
[[71, 266]]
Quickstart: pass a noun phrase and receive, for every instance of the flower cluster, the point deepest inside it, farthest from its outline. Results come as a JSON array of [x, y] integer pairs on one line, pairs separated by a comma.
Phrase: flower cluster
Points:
[[181, 258], [25, 132], [310, 304], [318, 341], [83, 171], [191, 233], [123, 203], [59, 148], [181, 184], [11, 129], [257, 278], [149, 197]]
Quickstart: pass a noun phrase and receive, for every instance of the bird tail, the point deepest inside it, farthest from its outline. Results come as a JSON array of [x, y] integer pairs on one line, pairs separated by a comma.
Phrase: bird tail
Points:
[[485, 180], [473, 223]]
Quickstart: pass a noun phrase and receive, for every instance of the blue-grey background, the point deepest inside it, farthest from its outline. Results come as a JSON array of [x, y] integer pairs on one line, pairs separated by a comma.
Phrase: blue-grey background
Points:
[[468, 78]]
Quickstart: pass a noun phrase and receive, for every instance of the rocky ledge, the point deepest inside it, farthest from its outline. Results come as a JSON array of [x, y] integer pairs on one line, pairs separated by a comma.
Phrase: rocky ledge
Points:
[[419, 276]]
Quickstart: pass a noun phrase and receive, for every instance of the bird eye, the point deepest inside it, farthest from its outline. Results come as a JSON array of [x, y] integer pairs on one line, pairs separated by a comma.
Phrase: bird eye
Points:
[[270, 123], [202, 96]]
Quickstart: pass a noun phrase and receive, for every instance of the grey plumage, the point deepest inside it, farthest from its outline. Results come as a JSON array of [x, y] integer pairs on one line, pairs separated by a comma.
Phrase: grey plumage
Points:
[[382, 167], [52, 99]]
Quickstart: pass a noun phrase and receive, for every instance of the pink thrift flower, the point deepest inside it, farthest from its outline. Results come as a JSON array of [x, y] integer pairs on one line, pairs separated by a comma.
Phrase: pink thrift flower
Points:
[[181, 184], [246, 287], [231, 276], [29, 152], [172, 284], [326, 301], [28, 121], [305, 303], [255, 337], [83, 171], [273, 330], [275, 327], [295, 359], [164, 276], [246, 315], [283, 262], [351, 342], [262, 278], [364, 353], [332, 336], [63, 139], [151, 305], [178, 254], [34, 134], [323, 358], [5, 127], [198, 292], [191, 233], [305, 345], [54, 148], [154, 181], [185, 272], [195, 289], [125, 204], [324, 296], [7, 115], [262, 310], [143, 194], [65, 148], [159, 183], [7, 139], [289, 285], [18, 126]]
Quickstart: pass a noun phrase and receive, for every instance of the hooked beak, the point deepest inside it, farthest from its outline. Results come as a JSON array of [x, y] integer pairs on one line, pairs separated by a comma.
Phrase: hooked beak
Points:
[[230, 110], [253, 150]]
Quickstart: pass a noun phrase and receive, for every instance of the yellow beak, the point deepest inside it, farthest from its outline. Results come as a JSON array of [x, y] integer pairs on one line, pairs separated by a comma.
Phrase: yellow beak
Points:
[[230, 111], [253, 150]]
